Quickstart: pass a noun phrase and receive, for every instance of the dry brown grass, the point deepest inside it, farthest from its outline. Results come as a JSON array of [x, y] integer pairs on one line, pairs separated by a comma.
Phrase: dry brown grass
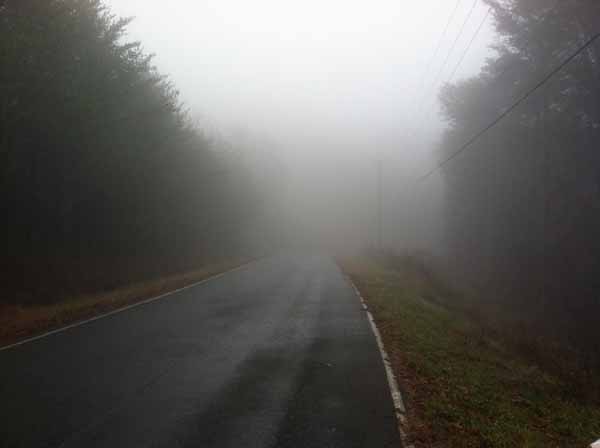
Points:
[[21, 322]]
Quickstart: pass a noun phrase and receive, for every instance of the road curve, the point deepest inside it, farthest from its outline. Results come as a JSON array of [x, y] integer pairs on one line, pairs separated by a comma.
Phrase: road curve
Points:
[[276, 354]]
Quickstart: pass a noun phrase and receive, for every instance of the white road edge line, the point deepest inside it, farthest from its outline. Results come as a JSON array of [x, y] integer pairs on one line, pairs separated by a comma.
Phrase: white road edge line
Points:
[[399, 406], [125, 308]]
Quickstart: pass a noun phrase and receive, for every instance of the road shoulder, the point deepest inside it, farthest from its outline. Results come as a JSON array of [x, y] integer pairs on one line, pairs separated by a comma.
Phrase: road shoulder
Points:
[[461, 386], [21, 324]]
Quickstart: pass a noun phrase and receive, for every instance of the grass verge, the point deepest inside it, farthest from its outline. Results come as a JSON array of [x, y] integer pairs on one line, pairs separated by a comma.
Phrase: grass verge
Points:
[[21, 322], [463, 388]]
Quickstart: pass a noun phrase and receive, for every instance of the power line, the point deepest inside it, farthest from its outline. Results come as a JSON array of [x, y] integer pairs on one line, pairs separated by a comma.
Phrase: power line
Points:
[[427, 110], [462, 58], [517, 62], [439, 44], [458, 36], [513, 106]]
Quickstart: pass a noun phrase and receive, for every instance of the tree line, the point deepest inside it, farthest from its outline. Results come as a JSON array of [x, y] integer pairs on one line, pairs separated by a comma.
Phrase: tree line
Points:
[[523, 204], [104, 180]]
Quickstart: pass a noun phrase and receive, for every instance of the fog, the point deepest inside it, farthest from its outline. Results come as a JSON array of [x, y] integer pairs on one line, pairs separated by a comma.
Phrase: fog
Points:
[[327, 89], [443, 153]]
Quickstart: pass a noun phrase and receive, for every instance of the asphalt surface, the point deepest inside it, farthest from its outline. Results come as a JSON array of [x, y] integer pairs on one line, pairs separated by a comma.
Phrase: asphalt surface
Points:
[[276, 354]]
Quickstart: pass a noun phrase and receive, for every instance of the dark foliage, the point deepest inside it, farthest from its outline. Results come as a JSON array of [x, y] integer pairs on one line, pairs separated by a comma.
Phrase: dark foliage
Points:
[[103, 180], [523, 204]]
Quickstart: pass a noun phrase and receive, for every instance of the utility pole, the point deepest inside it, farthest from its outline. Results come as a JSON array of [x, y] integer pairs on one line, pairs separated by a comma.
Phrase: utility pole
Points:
[[379, 205]]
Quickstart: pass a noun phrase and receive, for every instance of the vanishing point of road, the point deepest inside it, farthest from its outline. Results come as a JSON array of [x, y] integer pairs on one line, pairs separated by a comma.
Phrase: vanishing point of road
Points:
[[278, 353]]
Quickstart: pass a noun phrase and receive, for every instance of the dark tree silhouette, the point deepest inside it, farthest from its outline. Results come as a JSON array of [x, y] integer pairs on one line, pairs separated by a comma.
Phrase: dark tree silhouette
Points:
[[523, 202], [103, 179]]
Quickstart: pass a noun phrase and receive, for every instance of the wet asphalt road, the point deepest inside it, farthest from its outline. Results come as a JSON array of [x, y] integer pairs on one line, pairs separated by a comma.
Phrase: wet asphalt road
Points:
[[276, 354]]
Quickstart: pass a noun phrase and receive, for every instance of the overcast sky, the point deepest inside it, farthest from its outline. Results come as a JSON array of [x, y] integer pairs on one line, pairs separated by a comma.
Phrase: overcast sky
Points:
[[344, 73], [335, 84]]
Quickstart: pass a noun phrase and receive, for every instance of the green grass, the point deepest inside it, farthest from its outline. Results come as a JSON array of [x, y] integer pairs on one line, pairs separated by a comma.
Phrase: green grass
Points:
[[463, 388]]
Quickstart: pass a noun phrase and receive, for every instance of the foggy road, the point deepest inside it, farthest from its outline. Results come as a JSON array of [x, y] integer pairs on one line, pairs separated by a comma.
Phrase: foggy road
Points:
[[276, 354]]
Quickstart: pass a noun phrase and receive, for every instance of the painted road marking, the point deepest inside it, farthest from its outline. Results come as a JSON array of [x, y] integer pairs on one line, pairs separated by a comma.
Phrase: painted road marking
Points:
[[125, 308], [399, 406]]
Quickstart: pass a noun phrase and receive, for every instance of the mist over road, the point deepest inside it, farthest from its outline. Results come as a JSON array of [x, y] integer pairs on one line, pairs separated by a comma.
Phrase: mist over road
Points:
[[276, 354]]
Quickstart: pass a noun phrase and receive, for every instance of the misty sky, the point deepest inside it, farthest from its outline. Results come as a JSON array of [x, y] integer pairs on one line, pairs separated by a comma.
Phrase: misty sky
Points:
[[335, 84], [337, 72]]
